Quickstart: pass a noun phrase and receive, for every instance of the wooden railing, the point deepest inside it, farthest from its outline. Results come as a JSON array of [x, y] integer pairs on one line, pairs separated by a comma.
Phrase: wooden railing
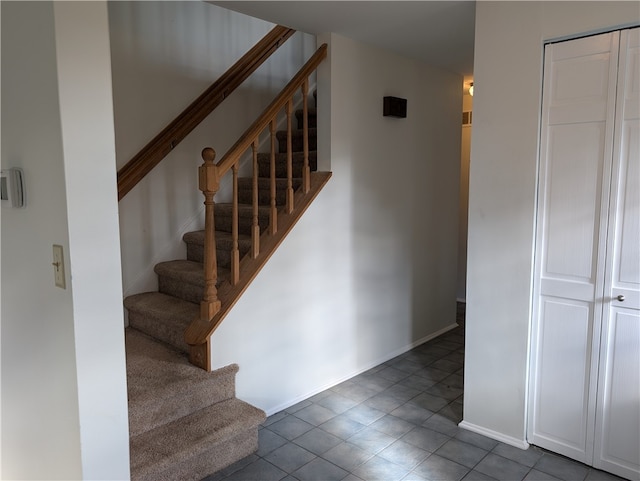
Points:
[[161, 145], [198, 333]]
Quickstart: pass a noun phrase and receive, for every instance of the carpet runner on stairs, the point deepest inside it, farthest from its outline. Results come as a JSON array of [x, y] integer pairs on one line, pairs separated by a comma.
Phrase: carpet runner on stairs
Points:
[[186, 423]]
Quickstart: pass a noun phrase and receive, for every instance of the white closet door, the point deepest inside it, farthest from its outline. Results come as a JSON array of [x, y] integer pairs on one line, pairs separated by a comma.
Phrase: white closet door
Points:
[[618, 411], [576, 151]]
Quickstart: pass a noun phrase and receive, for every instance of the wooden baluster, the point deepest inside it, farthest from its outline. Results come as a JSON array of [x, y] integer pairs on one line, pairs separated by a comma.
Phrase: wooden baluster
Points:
[[255, 226], [235, 252], [273, 213], [290, 205], [209, 184], [306, 171]]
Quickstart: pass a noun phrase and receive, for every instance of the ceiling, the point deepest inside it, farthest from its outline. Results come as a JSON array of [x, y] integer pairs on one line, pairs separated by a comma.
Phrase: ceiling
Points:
[[439, 33]]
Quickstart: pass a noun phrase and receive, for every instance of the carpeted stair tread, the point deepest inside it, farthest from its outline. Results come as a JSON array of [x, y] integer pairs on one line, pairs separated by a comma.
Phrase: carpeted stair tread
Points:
[[185, 279], [295, 133], [297, 161], [167, 452], [161, 316], [224, 244], [162, 386]]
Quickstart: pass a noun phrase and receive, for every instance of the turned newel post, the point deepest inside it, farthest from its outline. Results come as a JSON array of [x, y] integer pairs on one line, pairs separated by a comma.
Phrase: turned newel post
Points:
[[209, 182]]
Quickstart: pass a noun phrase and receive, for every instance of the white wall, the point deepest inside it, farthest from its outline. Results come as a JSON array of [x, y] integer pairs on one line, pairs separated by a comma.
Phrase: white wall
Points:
[[39, 388], [165, 54], [64, 405], [507, 80], [370, 269], [86, 110]]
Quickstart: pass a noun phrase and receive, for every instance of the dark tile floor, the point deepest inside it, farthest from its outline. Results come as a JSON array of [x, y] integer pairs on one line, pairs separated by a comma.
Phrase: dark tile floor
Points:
[[395, 422]]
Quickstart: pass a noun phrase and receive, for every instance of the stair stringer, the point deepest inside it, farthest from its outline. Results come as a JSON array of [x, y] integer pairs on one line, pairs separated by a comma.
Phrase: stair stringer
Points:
[[249, 269]]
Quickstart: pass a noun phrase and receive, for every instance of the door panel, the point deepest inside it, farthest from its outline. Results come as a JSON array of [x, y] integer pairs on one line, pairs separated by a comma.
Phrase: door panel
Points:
[[618, 433], [563, 387], [618, 415], [575, 169], [574, 178]]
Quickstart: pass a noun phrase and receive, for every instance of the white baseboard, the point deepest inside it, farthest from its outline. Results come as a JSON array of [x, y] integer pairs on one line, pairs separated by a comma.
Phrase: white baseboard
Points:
[[518, 443], [391, 355]]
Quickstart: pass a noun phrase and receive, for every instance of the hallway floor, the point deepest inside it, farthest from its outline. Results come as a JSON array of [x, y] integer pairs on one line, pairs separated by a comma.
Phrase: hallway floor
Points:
[[397, 421]]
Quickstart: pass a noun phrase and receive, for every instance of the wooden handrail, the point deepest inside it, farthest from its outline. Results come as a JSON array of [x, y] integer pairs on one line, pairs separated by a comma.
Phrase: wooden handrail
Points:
[[198, 333], [163, 143], [271, 111]]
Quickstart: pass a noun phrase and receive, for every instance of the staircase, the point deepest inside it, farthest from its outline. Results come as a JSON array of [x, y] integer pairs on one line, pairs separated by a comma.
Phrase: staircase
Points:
[[186, 423]]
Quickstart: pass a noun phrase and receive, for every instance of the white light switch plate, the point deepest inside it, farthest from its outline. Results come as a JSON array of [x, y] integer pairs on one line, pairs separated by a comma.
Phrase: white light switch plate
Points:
[[58, 266]]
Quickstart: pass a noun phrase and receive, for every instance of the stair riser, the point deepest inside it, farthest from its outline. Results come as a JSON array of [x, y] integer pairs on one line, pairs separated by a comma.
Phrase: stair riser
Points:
[[180, 289], [297, 141], [168, 333], [195, 253], [264, 165], [313, 120], [224, 221], [155, 412]]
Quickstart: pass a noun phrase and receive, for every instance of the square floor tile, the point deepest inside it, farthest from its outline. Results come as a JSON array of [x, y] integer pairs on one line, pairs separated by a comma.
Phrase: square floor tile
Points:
[[461, 453], [229, 470], [596, 475], [445, 391], [528, 457], [425, 439], [429, 401], [315, 414], [353, 477], [383, 402], [320, 470], [261, 470], [289, 457], [501, 468], [318, 441], [337, 403], [403, 393], [412, 476], [354, 391], [535, 475], [412, 413], [297, 407], [274, 418], [442, 424], [290, 427], [393, 374], [477, 476], [561, 468], [268, 441], [342, 426], [392, 425], [418, 382], [448, 366], [433, 374], [476, 439], [453, 411], [435, 468], [379, 469], [371, 440], [347, 456], [404, 454], [406, 365], [373, 381], [364, 414]]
